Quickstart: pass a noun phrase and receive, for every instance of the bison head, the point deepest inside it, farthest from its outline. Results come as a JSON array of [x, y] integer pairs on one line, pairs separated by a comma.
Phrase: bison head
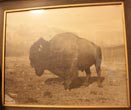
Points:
[[39, 52]]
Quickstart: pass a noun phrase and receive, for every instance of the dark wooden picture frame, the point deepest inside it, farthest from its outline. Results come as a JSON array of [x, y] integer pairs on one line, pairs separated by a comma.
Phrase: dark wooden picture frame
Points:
[[10, 5]]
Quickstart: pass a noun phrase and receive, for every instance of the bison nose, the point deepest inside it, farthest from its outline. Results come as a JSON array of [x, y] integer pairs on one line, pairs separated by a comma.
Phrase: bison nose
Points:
[[38, 73]]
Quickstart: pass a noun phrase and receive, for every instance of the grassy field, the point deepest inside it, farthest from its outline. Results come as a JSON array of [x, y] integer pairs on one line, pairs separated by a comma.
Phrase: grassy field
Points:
[[24, 87]]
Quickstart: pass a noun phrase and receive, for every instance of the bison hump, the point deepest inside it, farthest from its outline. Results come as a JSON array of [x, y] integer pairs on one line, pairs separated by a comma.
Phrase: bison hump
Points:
[[64, 43]]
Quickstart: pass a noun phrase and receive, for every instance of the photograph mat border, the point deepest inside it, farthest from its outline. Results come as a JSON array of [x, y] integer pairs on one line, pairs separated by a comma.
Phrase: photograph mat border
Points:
[[126, 54], [64, 6]]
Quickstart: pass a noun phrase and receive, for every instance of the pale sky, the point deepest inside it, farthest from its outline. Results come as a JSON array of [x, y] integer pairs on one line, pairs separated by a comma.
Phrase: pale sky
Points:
[[101, 24]]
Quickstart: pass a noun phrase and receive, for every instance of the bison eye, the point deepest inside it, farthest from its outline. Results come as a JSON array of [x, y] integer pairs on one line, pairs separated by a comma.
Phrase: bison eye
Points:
[[40, 48]]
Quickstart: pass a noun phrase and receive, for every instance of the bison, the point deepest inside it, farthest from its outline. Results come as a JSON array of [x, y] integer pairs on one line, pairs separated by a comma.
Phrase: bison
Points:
[[64, 55]]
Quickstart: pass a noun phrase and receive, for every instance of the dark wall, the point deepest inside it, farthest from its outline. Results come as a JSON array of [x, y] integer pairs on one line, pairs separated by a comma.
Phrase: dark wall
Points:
[[13, 4], [128, 35]]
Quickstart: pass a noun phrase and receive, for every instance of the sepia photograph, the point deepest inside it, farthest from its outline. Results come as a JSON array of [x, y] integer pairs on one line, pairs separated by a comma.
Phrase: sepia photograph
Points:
[[72, 57]]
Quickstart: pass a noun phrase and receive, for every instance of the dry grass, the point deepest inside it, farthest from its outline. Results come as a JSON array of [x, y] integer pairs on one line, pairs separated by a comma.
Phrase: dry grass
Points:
[[22, 84]]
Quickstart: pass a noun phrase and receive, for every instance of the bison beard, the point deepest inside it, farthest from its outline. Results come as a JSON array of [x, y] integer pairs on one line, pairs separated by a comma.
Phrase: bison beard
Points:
[[64, 55]]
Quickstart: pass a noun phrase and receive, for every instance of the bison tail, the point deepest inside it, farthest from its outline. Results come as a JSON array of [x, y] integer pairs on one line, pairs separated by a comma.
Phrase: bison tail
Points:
[[98, 59], [99, 53], [98, 65]]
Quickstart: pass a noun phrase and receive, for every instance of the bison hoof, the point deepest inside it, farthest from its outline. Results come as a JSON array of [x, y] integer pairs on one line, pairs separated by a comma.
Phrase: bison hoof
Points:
[[67, 89], [86, 84]]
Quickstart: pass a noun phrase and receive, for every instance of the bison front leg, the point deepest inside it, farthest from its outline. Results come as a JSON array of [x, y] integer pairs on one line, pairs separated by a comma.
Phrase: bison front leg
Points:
[[70, 76], [67, 83], [69, 79]]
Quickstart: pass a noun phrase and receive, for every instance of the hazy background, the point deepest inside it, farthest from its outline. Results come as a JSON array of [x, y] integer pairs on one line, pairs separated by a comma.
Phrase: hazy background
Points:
[[100, 24]]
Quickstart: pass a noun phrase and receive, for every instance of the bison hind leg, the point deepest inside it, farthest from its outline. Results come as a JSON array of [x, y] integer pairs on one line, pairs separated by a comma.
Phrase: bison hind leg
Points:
[[88, 74]]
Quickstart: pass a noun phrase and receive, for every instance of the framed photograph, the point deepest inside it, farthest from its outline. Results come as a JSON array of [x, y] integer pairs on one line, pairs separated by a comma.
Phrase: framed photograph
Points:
[[66, 56]]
